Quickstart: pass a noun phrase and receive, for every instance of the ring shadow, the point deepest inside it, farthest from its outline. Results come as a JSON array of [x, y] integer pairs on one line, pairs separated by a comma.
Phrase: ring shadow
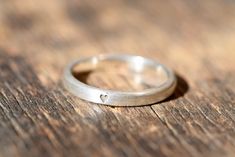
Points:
[[82, 76], [181, 89]]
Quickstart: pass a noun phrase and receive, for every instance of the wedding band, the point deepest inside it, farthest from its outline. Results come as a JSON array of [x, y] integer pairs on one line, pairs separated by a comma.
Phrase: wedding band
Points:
[[119, 98]]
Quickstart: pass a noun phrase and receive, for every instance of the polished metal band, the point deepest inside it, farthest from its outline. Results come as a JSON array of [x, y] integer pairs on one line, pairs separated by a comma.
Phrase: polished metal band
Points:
[[119, 98]]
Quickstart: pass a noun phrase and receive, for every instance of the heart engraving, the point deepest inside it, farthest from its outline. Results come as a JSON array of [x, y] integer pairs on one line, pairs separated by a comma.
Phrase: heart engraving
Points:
[[103, 97]]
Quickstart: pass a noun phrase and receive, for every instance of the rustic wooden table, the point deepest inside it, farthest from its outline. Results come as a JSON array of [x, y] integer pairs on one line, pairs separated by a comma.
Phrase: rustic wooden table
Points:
[[38, 117]]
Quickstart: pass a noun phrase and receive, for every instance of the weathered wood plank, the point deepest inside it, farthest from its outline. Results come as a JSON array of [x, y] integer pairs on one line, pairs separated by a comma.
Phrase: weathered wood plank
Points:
[[38, 117]]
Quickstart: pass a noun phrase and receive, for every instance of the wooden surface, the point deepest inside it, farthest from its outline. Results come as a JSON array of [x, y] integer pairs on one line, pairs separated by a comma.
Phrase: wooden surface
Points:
[[38, 117]]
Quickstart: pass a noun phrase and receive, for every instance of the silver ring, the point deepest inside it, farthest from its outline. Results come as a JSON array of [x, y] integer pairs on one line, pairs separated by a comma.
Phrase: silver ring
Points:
[[118, 98]]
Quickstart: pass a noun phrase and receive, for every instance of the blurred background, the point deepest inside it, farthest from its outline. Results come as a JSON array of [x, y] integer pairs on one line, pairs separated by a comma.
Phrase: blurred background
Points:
[[51, 33]]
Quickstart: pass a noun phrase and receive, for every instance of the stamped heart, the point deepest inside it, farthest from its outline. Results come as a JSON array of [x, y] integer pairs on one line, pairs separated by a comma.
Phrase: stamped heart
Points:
[[103, 97]]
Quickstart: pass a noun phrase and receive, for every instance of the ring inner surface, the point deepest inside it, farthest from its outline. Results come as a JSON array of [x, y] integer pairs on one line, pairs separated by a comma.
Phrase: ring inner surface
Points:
[[119, 75]]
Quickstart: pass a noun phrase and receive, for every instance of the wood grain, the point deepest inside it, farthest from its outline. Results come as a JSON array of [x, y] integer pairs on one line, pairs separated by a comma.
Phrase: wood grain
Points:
[[38, 117]]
